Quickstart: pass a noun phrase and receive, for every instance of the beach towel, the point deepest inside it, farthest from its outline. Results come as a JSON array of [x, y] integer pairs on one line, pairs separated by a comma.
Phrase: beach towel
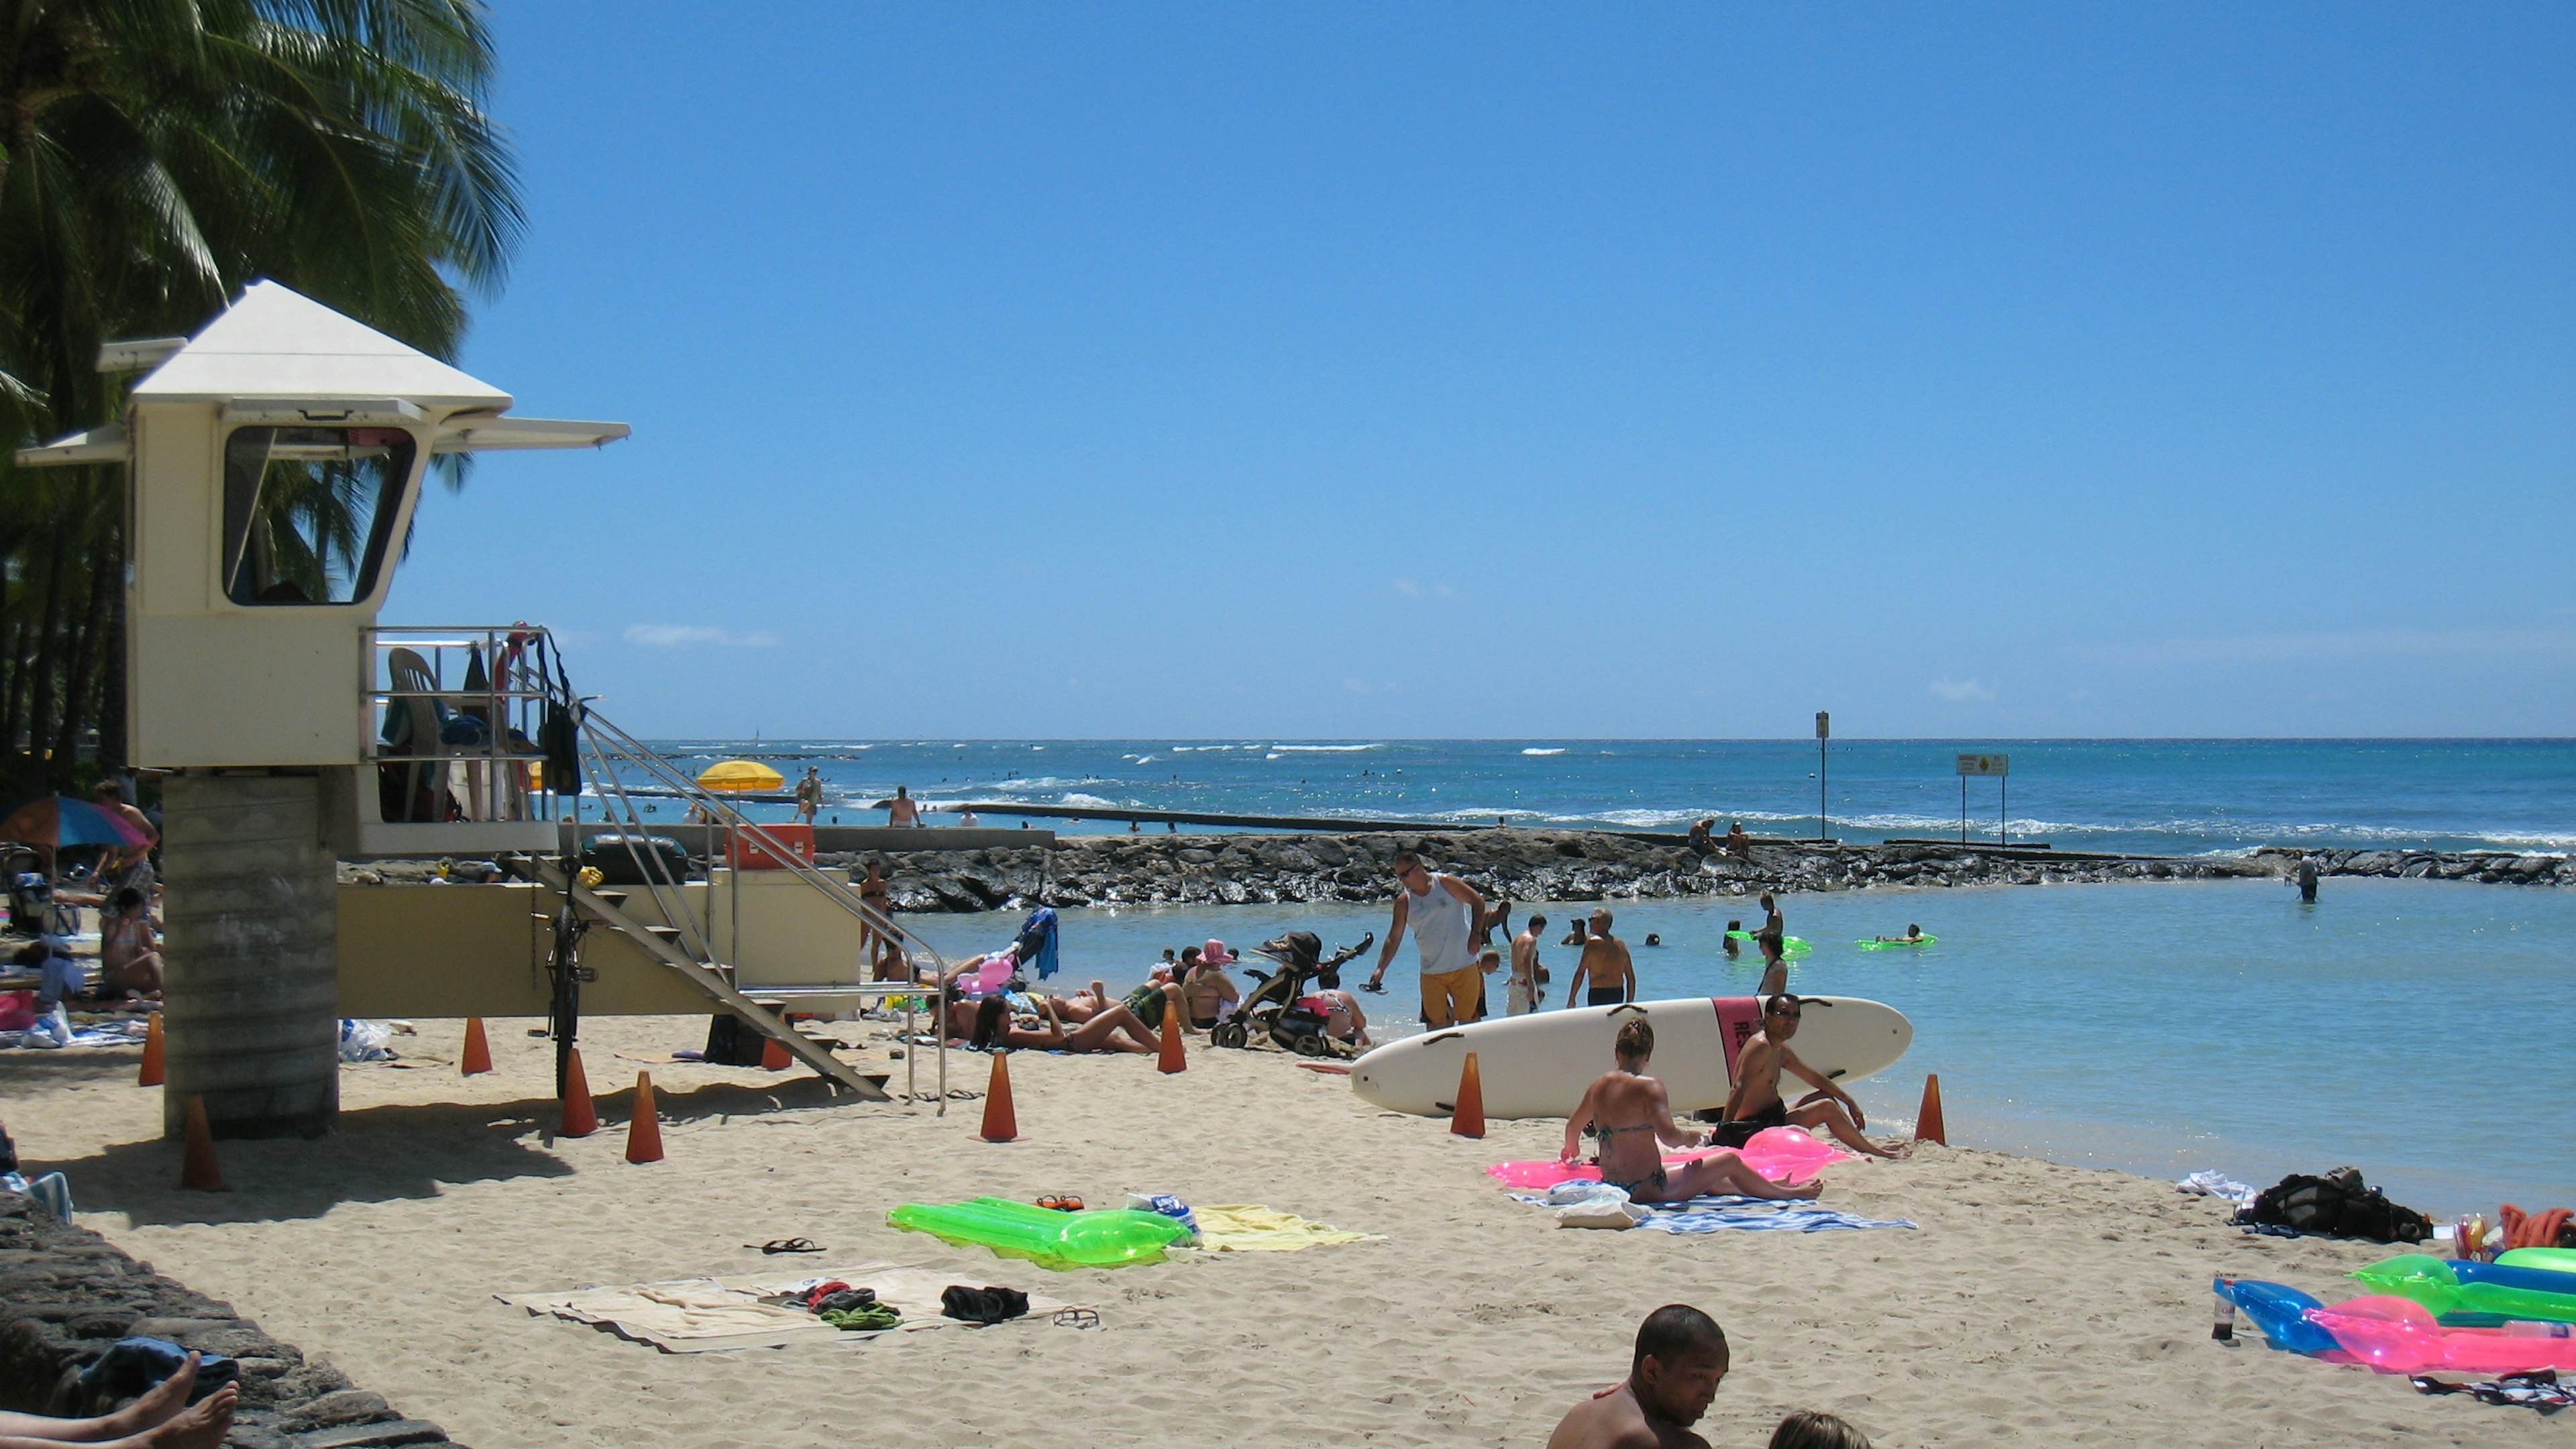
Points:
[[1712, 1214], [1778, 1153], [1249, 1228], [706, 1315]]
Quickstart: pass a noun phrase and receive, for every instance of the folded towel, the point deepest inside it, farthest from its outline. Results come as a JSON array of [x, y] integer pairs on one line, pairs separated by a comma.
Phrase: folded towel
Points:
[[1251, 1228]]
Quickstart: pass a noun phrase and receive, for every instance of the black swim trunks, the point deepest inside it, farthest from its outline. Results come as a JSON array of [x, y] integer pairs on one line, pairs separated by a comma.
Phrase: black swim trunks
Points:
[[1605, 995], [1736, 1134]]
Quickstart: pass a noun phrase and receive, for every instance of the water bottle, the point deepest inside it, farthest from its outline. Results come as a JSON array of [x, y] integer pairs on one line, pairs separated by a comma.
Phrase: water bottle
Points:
[[2222, 1323], [2525, 1328]]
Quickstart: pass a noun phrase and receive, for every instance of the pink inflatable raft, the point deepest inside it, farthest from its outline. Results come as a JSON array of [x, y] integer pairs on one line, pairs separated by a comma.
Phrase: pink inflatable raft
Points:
[[1782, 1154]]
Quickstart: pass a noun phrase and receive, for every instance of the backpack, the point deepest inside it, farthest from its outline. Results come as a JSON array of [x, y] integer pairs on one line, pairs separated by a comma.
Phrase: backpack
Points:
[[2337, 1205]]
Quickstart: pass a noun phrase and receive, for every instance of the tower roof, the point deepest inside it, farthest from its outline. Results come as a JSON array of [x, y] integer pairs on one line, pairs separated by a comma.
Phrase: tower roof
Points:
[[278, 343]]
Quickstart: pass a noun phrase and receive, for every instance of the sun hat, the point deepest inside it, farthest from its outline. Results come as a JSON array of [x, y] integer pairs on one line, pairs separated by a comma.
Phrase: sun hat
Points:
[[1216, 955]]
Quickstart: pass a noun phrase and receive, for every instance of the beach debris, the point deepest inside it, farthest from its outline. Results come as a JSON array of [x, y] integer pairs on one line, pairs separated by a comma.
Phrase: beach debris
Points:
[[1468, 1120], [198, 1171], [149, 1075], [1928, 1126], [478, 1049], [580, 1113], [644, 1130], [1001, 1122]]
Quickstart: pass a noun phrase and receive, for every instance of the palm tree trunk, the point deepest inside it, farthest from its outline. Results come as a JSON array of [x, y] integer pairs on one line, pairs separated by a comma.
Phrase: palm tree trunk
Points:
[[47, 663], [80, 691]]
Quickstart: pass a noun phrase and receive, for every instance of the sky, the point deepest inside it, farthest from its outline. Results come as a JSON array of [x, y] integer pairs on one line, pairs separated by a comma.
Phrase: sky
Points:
[[1350, 371]]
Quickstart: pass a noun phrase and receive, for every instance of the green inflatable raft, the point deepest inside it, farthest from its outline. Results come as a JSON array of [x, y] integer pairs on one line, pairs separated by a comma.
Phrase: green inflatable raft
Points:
[[1109, 1238]]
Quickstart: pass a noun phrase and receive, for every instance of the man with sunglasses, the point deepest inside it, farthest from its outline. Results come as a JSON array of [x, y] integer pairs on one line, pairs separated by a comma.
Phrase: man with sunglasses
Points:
[[1442, 911], [1756, 1102]]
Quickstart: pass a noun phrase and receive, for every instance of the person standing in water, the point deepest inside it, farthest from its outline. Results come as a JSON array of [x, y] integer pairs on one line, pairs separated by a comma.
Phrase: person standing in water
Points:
[[1773, 938], [903, 809], [1441, 910], [809, 794], [2308, 880], [1526, 994], [1605, 965]]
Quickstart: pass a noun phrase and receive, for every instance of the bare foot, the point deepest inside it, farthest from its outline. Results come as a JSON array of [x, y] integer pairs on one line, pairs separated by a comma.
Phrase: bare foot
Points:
[[200, 1426], [155, 1406]]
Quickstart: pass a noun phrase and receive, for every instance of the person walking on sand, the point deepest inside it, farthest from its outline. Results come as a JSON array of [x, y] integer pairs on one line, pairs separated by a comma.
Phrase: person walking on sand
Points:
[[1673, 1376], [903, 809], [809, 794], [1527, 992], [1605, 965], [1756, 1103], [1440, 910]]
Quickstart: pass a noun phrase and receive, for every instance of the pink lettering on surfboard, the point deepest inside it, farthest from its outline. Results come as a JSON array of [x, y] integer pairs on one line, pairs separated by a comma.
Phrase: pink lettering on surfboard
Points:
[[1738, 1018]]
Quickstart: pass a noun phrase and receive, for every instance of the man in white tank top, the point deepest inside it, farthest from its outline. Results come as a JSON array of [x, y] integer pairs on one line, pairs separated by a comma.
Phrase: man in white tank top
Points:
[[1442, 912]]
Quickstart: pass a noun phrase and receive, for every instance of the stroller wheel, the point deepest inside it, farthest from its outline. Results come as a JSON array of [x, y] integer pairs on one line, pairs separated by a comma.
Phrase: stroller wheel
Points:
[[1228, 1034], [1310, 1044]]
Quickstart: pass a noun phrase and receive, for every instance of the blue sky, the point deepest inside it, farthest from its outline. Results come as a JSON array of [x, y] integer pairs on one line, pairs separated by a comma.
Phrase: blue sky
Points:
[[1539, 370]]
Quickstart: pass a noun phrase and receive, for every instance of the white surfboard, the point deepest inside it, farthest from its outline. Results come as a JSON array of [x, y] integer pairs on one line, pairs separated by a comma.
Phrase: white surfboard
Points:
[[1538, 1065]]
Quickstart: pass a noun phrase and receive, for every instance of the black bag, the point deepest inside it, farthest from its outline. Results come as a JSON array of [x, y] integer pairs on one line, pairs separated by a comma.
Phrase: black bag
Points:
[[731, 1042], [636, 859], [982, 1305], [2337, 1205]]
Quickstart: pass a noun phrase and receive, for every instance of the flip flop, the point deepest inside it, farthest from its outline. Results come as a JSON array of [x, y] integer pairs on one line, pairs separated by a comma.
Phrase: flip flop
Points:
[[1077, 1318], [786, 1245], [1066, 1203]]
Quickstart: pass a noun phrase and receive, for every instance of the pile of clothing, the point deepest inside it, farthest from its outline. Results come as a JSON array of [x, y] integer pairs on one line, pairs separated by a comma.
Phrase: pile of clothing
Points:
[[854, 1309], [2337, 1205]]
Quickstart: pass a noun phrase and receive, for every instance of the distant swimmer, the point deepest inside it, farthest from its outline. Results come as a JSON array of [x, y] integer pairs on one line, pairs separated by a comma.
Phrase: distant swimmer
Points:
[[903, 809], [1913, 936], [1773, 939], [2308, 880], [1653, 940], [1756, 1102], [1605, 965], [968, 819], [1632, 1117], [1731, 940], [1672, 1378]]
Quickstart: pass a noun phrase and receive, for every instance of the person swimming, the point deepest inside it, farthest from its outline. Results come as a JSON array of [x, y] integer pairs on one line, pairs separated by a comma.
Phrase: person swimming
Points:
[[1913, 934]]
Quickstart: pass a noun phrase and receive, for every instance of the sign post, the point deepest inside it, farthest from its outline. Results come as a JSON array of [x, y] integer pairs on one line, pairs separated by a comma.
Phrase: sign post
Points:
[[1999, 766], [1824, 731]]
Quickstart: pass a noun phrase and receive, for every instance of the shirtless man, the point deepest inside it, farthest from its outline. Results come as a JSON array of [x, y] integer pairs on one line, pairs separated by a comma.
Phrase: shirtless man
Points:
[[903, 809], [1605, 964], [1755, 1103], [1525, 995], [112, 868], [1631, 1114], [1681, 1356], [1773, 939]]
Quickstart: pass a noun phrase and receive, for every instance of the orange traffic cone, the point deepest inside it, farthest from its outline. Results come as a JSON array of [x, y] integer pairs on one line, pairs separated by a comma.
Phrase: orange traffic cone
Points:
[[1176, 1053], [1468, 1119], [580, 1113], [773, 1055], [644, 1132], [197, 1169], [150, 1075], [1001, 1123], [478, 1047], [1928, 1126]]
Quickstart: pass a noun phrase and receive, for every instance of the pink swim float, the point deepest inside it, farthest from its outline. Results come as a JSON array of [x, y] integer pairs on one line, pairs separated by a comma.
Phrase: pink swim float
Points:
[[2400, 1336], [1782, 1154]]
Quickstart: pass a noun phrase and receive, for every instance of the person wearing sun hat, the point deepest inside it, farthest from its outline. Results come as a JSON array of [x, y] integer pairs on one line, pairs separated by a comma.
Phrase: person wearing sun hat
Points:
[[1209, 993]]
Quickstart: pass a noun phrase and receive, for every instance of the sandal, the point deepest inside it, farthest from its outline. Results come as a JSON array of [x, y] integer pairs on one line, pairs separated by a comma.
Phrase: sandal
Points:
[[1077, 1318], [1064, 1204], [786, 1245]]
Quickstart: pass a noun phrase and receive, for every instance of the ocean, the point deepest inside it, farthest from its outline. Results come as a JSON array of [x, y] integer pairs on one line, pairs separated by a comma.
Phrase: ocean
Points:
[[2176, 797]]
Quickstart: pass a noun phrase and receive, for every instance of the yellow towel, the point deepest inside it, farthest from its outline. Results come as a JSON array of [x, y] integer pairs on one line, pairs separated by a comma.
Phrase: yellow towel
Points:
[[1251, 1228]]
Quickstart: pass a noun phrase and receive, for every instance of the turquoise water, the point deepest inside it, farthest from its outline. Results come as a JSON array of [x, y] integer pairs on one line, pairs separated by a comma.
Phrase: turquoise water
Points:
[[2414, 1029], [2154, 796]]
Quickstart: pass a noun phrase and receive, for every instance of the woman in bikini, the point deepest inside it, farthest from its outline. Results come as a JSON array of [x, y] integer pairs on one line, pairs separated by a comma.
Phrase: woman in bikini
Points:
[[989, 1024], [129, 954], [1633, 1118]]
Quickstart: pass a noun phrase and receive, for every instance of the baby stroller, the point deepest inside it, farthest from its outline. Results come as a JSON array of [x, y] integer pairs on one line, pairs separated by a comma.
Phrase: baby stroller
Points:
[[1279, 1007], [33, 911]]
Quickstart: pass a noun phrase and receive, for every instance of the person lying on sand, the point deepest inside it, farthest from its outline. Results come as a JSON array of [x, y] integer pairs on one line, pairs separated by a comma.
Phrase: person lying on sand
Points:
[[1632, 1116], [1085, 1004], [161, 1418], [989, 1023], [1679, 1361], [1755, 1103]]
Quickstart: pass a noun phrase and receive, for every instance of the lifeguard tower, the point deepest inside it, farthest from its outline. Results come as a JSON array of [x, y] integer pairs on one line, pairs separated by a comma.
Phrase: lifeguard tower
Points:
[[273, 464]]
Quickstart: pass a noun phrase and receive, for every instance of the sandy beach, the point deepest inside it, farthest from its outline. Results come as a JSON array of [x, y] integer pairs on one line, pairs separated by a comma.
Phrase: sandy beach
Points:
[[2038, 1304]]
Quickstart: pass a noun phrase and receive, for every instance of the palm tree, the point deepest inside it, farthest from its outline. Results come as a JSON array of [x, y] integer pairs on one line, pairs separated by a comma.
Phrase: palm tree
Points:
[[157, 155]]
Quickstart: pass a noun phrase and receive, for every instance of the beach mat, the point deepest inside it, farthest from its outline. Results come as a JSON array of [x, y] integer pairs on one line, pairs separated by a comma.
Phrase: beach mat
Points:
[[709, 1315]]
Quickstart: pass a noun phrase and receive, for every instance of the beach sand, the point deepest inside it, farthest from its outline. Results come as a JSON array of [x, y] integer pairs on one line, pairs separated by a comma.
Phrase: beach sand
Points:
[[2039, 1304]]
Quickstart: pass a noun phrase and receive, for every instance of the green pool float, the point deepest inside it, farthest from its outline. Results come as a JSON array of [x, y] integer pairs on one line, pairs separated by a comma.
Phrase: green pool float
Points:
[[1109, 1238], [1879, 945], [1789, 945], [2511, 1290]]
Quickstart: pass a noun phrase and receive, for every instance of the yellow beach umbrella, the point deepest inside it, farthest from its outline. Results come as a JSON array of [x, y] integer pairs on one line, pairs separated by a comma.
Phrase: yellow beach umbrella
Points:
[[740, 776]]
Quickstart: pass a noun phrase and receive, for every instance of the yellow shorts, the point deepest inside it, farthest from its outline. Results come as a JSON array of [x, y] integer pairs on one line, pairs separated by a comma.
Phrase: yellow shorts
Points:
[[1449, 998]]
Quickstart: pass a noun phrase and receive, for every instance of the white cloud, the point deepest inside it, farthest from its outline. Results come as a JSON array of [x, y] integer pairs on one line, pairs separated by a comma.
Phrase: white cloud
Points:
[[1961, 691], [1408, 588], [684, 636], [1413, 590]]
